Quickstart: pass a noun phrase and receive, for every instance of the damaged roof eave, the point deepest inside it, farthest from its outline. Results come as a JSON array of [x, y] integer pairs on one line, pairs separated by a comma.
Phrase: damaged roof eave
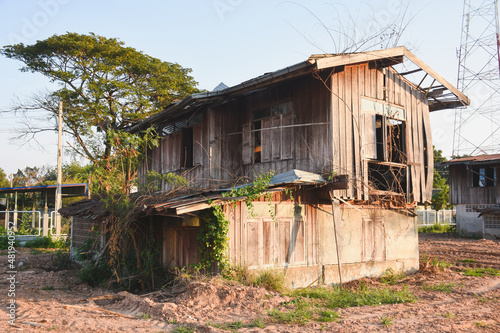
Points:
[[394, 53]]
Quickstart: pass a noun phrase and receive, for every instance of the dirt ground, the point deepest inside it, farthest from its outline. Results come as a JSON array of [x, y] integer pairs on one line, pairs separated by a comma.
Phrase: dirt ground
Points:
[[58, 302]]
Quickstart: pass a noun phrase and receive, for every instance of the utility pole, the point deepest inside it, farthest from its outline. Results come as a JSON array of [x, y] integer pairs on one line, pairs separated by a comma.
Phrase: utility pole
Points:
[[58, 204]]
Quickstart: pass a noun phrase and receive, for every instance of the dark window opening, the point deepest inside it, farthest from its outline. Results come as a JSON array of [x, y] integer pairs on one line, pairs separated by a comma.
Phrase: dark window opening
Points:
[[395, 135], [387, 178], [257, 141], [379, 137], [187, 148], [484, 177]]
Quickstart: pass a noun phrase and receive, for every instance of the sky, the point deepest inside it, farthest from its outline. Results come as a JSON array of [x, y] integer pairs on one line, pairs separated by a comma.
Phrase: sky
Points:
[[226, 41]]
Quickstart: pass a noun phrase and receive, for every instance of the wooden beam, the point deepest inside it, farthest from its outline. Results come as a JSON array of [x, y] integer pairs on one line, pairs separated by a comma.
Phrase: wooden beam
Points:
[[356, 58], [464, 99]]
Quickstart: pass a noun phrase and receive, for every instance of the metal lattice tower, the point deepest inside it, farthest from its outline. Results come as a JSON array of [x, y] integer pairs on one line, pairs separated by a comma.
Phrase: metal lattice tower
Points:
[[477, 128]]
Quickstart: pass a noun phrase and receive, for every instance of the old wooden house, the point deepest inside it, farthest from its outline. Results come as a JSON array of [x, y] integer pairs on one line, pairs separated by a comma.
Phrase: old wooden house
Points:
[[475, 191], [348, 137]]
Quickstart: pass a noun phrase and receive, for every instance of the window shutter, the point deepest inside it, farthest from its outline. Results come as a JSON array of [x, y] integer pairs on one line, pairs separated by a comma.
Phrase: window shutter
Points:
[[276, 137], [197, 146], [176, 151], [267, 144], [370, 139], [287, 136], [247, 145]]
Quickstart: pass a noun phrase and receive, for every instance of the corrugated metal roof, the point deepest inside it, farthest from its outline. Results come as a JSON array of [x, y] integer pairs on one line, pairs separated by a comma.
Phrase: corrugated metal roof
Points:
[[201, 201], [68, 190], [437, 99], [495, 158]]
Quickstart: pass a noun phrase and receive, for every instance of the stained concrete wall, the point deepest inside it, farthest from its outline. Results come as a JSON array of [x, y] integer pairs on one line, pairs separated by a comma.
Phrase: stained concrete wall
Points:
[[468, 221]]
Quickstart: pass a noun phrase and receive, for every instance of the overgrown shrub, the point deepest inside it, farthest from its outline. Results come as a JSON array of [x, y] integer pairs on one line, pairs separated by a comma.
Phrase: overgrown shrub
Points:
[[438, 228], [47, 243]]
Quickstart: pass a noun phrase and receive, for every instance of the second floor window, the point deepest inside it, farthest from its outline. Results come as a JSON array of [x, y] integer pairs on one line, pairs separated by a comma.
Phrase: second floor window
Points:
[[269, 136]]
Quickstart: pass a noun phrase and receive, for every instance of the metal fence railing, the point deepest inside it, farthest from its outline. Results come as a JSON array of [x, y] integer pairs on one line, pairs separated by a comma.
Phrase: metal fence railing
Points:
[[430, 217]]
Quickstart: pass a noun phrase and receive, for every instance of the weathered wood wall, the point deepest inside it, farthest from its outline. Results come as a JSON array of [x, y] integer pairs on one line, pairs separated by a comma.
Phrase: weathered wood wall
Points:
[[348, 127], [462, 191], [328, 136]]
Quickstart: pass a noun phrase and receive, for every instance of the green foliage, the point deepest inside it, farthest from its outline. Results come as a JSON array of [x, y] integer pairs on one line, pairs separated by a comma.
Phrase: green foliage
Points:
[[468, 260], [257, 323], [438, 228], [328, 316], [445, 287], [213, 238], [62, 261], [103, 84], [251, 191], [390, 277], [95, 273], [47, 243], [343, 298], [153, 181], [214, 229], [301, 313], [184, 329], [440, 200], [386, 321], [4, 182], [272, 280], [481, 272], [144, 316]]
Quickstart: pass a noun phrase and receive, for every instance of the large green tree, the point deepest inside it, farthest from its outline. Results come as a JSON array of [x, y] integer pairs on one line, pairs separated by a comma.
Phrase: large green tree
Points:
[[441, 197], [104, 85]]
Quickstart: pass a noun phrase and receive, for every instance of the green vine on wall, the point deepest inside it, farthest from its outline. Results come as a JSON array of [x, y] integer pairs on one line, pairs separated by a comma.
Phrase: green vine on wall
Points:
[[213, 235]]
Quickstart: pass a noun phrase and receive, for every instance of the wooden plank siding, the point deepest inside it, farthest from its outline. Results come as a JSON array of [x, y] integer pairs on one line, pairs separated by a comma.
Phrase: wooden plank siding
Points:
[[326, 133], [462, 191]]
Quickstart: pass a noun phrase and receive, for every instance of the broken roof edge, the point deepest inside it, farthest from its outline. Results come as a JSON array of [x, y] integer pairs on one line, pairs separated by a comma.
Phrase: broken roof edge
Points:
[[328, 61], [313, 63], [200, 201]]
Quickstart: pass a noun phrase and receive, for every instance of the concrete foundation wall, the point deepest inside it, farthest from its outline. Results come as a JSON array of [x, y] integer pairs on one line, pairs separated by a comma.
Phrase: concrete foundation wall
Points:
[[468, 221], [369, 241]]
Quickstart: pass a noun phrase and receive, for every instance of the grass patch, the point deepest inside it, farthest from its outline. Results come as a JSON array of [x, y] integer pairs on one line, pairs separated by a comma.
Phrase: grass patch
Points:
[[481, 272], [47, 243], [184, 329], [328, 316], [441, 264], [390, 277], [442, 287], [386, 321], [437, 228], [257, 323], [301, 313], [48, 288], [272, 280], [448, 315], [343, 298], [481, 324], [468, 260], [145, 316]]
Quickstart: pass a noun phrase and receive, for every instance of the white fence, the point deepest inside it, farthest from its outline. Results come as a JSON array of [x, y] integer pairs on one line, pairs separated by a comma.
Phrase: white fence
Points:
[[430, 217], [35, 221]]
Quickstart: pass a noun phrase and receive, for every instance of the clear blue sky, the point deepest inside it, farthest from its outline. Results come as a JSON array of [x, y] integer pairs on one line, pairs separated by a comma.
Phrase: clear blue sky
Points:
[[221, 40]]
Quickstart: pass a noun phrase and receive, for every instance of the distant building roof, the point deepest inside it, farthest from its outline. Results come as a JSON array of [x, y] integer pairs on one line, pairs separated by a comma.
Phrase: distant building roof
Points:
[[68, 190], [483, 159]]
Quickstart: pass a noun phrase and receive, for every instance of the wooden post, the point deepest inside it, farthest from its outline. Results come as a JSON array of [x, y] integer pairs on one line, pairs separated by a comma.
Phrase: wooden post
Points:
[[45, 217], [336, 216], [15, 211]]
